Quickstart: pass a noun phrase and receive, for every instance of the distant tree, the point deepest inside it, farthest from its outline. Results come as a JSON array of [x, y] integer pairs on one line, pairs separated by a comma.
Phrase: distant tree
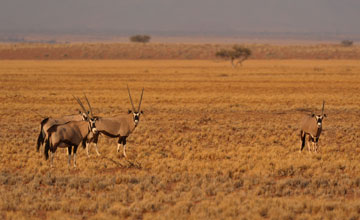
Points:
[[236, 56], [347, 43], [140, 38], [51, 42]]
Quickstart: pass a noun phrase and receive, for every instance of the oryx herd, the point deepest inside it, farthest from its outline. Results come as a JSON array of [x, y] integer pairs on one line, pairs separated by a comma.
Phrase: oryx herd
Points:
[[85, 128]]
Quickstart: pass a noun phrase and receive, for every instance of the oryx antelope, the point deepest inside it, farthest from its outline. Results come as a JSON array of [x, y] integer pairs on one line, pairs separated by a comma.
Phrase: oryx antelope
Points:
[[311, 125], [69, 135], [118, 126], [48, 122]]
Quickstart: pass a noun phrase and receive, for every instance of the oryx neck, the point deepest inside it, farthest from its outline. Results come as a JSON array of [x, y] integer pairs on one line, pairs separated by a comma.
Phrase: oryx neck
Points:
[[318, 131], [132, 123]]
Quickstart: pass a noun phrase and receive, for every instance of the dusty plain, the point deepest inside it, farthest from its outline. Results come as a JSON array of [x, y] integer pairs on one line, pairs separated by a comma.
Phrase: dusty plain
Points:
[[214, 142], [166, 51]]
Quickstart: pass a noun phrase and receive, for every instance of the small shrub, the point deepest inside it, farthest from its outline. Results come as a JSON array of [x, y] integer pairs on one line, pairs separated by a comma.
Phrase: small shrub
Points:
[[238, 184], [140, 38], [263, 212], [347, 43]]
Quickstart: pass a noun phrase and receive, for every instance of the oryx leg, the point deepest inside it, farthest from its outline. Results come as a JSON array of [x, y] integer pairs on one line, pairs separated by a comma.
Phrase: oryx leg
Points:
[[94, 141], [46, 150], [122, 141], [313, 146], [69, 155], [317, 144], [52, 159], [75, 149], [124, 147], [119, 143], [309, 144], [313, 143], [87, 148], [53, 149], [118, 147], [97, 150]]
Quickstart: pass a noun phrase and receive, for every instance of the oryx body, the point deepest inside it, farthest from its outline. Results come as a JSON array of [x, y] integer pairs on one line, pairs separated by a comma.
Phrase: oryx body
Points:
[[118, 127], [311, 125], [49, 122], [115, 127], [68, 135]]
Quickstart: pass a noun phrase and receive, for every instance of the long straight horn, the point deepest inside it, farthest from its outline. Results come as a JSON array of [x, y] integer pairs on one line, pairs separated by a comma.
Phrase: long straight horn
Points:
[[142, 92], [81, 105], [322, 111], [91, 112], [132, 104]]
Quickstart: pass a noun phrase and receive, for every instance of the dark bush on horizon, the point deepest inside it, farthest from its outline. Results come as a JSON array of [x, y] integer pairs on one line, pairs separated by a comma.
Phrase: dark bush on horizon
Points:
[[347, 43], [140, 38]]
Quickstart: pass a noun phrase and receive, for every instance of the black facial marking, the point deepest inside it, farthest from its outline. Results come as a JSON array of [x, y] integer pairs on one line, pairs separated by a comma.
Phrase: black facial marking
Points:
[[92, 123], [136, 116], [319, 119]]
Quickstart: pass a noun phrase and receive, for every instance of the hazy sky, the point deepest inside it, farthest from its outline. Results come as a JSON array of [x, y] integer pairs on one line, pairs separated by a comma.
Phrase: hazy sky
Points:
[[218, 16]]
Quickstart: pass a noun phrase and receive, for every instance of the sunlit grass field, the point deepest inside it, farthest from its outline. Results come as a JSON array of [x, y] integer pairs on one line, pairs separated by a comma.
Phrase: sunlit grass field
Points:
[[214, 142]]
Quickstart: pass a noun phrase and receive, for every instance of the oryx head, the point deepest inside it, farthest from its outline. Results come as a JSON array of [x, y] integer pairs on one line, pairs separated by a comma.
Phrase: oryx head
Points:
[[92, 125], [84, 115], [138, 112], [319, 118]]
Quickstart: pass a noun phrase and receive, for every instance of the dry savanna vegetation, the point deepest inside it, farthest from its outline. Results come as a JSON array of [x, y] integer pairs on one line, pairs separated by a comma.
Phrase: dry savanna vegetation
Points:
[[214, 142], [187, 51]]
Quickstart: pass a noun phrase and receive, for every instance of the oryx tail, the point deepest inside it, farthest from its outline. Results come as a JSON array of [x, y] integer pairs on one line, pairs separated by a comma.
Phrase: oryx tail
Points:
[[303, 141], [41, 137], [46, 148]]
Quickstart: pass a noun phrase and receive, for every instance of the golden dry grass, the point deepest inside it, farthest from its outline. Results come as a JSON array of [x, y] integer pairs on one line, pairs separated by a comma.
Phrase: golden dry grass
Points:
[[214, 143]]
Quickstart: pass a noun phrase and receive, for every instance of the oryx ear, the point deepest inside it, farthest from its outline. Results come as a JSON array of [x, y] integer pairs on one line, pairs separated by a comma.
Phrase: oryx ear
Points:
[[129, 111], [141, 112], [325, 115], [312, 115], [88, 112], [80, 112]]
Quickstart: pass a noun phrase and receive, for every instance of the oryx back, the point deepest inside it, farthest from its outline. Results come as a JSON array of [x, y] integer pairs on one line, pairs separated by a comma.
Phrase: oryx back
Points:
[[115, 126], [70, 133], [57, 121]]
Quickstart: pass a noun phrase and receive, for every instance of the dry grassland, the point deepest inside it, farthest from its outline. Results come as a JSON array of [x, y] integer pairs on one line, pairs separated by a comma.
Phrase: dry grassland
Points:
[[167, 51], [214, 143]]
